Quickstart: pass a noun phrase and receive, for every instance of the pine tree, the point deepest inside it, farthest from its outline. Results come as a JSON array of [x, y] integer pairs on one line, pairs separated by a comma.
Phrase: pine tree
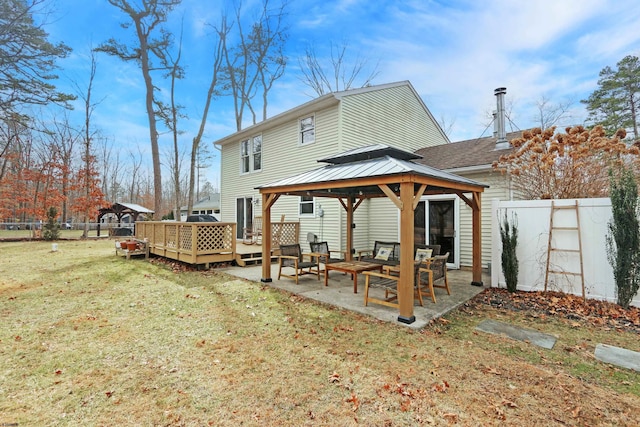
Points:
[[615, 103]]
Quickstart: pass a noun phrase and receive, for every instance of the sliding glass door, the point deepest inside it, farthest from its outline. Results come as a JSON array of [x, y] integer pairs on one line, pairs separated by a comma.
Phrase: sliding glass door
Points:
[[244, 215], [436, 222]]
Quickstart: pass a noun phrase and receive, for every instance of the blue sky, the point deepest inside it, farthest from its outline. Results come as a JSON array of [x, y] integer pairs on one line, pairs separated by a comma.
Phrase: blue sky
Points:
[[455, 53]]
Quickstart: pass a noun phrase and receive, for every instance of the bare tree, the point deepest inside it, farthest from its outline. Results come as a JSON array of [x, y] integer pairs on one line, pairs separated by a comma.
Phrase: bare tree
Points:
[[340, 73], [215, 80], [549, 113], [170, 114], [146, 19], [135, 175], [63, 139], [446, 124], [257, 59], [88, 180]]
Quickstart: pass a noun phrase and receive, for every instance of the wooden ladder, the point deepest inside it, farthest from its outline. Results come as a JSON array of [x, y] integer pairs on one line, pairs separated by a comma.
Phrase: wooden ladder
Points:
[[551, 249]]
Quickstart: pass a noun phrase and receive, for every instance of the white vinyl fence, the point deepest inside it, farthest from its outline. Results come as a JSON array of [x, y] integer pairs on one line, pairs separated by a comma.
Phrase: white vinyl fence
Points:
[[533, 236]]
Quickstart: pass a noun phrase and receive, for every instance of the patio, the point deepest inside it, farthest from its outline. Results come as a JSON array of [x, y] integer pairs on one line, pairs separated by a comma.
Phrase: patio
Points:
[[339, 293]]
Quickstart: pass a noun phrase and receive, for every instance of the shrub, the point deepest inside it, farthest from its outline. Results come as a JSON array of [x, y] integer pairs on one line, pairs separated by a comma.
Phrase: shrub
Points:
[[51, 227], [623, 239], [509, 235]]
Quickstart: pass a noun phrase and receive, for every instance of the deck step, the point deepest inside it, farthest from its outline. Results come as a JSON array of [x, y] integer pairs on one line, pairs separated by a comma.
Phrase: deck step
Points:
[[244, 261]]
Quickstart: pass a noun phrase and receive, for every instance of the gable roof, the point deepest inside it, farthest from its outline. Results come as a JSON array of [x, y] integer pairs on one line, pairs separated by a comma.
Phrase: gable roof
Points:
[[478, 153], [316, 104]]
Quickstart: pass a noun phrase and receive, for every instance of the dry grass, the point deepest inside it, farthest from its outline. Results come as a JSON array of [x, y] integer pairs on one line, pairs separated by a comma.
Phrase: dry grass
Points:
[[87, 338]]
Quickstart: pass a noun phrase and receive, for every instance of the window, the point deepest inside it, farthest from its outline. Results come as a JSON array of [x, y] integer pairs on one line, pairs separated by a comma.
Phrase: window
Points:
[[307, 130], [244, 156], [251, 154], [257, 152], [307, 205]]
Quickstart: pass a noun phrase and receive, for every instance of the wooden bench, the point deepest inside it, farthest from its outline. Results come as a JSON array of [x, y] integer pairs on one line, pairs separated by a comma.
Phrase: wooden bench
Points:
[[141, 248], [394, 252], [387, 282]]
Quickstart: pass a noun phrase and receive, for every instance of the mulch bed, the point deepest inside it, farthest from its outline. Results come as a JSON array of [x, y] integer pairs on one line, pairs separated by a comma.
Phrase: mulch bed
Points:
[[594, 312]]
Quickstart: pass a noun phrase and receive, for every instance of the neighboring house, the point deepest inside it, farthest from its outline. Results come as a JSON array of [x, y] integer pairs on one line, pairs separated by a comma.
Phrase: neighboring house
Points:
[[292, 142], [209, 205], [449, 218]]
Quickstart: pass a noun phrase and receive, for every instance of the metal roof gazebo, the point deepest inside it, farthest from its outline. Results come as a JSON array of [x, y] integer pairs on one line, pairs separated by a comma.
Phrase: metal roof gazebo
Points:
[[378, 171], [122, 209]]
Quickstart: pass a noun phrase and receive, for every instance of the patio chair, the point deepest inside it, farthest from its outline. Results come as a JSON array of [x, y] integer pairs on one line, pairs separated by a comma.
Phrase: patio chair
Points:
[[324, 254], [431, 270], [253, 234], [291, 256]]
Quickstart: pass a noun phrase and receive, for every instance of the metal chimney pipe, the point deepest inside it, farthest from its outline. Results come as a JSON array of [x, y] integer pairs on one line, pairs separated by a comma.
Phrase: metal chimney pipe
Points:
[[500, 117]]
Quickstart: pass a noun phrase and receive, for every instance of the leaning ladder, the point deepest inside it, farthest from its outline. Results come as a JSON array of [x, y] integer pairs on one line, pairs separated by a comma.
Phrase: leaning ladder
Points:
[[551, 249]]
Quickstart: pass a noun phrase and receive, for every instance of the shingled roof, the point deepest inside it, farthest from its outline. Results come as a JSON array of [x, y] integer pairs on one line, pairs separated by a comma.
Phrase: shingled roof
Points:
[[471, 153]]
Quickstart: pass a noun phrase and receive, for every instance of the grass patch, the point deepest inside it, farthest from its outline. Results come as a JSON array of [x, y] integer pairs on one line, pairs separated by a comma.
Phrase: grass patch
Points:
[[88, 338]]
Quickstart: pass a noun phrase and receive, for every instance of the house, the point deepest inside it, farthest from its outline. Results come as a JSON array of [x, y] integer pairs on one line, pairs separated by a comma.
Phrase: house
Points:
[[209, 205], [292, 142], [447, 218]]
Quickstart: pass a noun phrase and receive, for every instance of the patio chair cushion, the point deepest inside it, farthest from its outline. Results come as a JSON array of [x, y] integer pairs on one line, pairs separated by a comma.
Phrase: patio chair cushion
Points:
[[422, 254], [383, 253], [394, 253]]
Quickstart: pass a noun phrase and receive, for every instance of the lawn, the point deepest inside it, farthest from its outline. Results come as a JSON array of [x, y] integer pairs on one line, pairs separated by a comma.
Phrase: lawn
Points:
[[88, 338]]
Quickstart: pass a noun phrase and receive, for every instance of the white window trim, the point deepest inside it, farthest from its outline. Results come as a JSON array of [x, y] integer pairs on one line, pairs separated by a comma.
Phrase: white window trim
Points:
[[300, 142], [251, 154]]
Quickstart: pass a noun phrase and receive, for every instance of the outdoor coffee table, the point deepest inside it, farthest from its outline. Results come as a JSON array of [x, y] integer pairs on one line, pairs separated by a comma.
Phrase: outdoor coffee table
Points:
[[352, 267]]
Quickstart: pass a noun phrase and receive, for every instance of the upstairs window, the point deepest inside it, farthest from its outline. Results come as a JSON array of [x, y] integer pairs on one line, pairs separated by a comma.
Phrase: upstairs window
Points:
[[257, 152], [251, 154], [307, 130]]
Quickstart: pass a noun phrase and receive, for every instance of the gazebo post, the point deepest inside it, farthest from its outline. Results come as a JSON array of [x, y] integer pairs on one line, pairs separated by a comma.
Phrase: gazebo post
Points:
[[477, 239], [266, 238], [407, 270], [349, 254]]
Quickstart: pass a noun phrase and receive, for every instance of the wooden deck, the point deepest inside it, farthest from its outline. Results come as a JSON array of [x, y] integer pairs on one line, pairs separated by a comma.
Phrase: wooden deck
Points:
[[206, 243]]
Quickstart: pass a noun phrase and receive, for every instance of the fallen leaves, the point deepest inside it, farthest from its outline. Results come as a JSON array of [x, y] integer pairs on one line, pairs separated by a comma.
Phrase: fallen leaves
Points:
[[490, 370], [334, 378], [572, 307]]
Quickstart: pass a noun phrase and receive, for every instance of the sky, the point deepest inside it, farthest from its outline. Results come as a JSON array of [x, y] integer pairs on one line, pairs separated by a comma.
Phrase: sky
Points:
[[455, 53]]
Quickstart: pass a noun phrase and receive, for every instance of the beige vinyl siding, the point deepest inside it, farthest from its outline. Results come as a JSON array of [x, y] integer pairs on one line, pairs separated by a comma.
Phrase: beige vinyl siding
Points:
[[498, 189], [392, 116], [283, 156], [383, 221]]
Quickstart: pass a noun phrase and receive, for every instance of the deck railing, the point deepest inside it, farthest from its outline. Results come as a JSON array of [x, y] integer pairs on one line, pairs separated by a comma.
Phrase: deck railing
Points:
[[191, 242]]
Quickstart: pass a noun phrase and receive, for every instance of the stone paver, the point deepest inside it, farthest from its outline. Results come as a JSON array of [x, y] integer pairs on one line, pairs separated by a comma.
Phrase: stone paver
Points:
[[517, 333], [618, 356]]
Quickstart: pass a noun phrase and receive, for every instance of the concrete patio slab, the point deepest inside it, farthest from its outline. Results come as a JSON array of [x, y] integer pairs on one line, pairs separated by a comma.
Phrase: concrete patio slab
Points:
[[618, 356], [517, 333], [339, 293]]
